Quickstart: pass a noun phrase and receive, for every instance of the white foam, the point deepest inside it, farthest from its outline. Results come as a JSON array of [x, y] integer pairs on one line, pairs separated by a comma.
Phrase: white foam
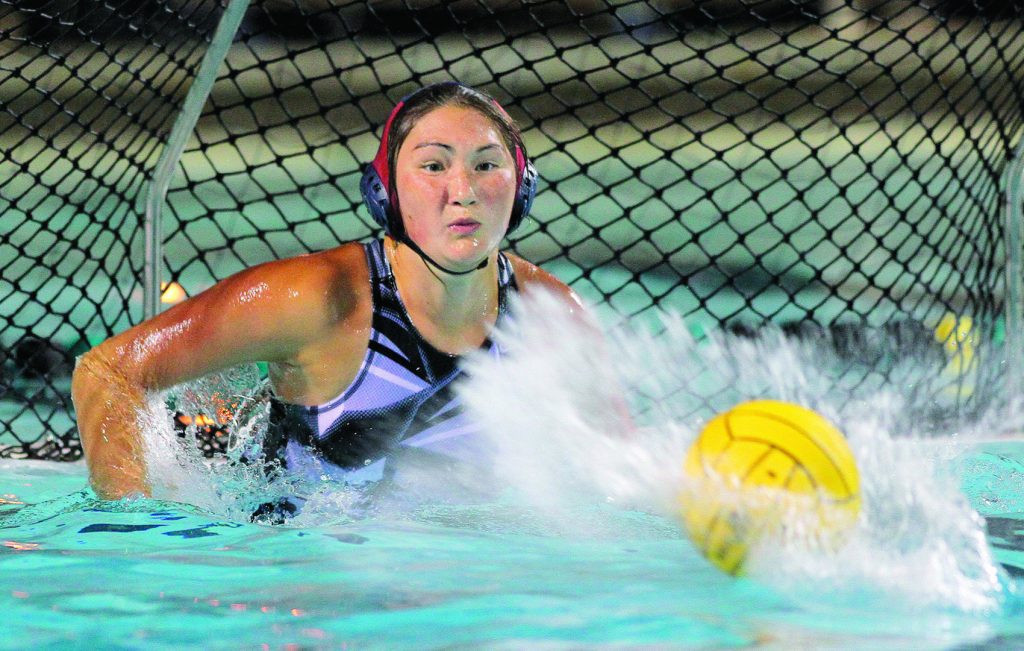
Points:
[[549, 410], [577, 418]]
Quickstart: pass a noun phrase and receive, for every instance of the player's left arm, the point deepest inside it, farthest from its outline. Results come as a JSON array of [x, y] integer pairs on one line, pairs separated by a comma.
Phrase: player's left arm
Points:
[[529, 277]]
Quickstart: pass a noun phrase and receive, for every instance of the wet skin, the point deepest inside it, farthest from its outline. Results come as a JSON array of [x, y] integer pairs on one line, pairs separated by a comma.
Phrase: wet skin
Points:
[[309, 317]]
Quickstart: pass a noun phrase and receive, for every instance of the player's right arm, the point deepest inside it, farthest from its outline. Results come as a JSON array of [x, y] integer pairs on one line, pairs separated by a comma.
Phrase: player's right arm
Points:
[[274, 312]]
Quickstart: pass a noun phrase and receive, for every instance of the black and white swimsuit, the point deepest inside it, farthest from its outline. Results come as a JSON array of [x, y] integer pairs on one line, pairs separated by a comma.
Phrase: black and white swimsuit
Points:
[[401, 397]]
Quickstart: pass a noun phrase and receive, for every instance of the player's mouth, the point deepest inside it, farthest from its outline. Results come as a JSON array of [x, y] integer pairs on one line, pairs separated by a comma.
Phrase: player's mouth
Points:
[[464, 226]]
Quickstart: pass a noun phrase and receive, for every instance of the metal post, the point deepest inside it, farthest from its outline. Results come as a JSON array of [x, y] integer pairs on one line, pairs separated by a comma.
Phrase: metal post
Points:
[[1013, 345], [183, 126]]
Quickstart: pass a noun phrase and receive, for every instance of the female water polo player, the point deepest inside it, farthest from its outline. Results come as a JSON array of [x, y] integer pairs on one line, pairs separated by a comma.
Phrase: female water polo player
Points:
[[362, 341]]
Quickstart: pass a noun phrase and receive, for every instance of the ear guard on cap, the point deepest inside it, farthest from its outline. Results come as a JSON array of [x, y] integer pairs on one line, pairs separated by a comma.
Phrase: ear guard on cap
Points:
[[375, 196], [374, 184], [525, 193]]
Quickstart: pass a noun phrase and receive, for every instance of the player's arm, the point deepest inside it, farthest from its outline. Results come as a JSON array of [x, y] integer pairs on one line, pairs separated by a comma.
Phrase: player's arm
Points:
[[267, 313], [531, 277]]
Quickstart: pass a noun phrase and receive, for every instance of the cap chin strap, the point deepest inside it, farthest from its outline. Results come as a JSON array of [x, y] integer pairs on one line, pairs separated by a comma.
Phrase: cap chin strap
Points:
[[405, 239]]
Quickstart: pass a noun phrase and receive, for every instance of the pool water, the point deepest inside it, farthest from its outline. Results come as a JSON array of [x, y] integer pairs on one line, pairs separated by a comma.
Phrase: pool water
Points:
[[76, 571], [570, 540]]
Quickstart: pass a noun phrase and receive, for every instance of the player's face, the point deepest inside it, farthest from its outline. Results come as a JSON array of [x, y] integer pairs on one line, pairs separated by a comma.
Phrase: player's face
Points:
[[456, 183]]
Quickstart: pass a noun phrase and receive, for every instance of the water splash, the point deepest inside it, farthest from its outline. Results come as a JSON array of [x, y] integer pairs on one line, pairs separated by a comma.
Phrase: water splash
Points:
[[587, 428], [551, 409], [234, 485]]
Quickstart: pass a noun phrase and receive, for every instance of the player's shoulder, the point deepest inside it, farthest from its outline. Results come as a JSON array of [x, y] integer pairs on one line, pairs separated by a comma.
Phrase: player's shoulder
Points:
[[530, 277], [343, 265], [323, 285]]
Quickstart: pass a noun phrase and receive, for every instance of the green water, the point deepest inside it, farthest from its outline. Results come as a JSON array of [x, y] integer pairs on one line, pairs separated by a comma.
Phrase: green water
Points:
[[75, 572]]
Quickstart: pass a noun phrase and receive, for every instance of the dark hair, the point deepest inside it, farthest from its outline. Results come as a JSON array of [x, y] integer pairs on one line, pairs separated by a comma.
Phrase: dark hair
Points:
[[434, 97]]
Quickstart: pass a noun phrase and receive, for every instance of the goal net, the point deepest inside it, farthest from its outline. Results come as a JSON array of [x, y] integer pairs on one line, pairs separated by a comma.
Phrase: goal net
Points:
[[831, 166]]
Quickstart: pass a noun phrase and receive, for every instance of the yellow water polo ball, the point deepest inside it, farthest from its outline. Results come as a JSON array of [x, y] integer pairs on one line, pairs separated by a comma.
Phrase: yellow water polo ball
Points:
[[767, 468]]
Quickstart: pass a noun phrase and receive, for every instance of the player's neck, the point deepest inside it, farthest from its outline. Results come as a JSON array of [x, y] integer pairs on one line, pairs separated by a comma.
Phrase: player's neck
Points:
[[452, 302]]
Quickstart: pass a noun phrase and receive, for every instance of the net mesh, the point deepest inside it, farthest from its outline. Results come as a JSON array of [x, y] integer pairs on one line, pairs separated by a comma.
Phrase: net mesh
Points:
[[88, 92], [834, 166]]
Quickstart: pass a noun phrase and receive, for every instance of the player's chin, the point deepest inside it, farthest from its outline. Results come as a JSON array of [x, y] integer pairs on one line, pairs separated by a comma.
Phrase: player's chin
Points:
[[468, 253]]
